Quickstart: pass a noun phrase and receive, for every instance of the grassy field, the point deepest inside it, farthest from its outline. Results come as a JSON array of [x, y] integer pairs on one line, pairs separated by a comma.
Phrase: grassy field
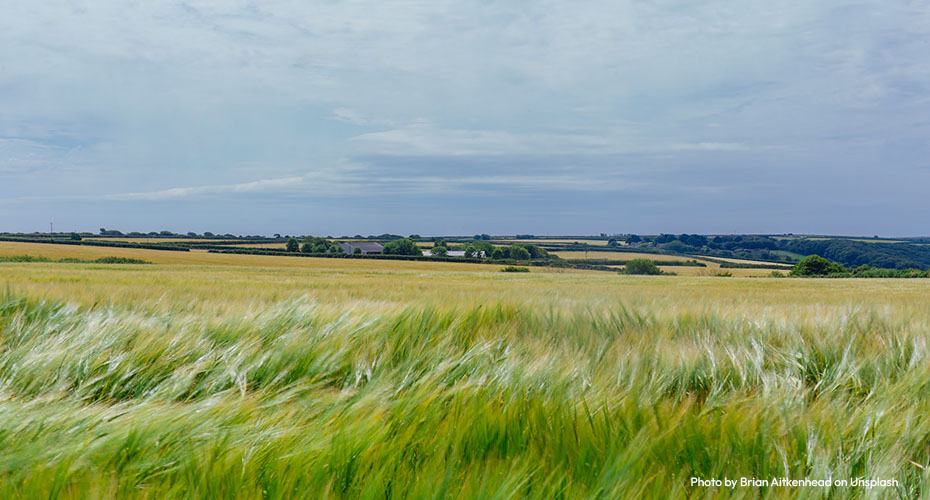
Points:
[[711, 268], [218, 379], [747, 261], [158, 240], [278, 246], [203, 258], [573, 254], [541, 241], [200, 257], [658, 257]]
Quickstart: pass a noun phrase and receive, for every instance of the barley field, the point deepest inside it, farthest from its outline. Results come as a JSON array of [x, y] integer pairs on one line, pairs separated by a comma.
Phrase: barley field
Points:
[[596, 243], [711, 268], [383, 379], [578, 254], [714, 269], [204, 258]]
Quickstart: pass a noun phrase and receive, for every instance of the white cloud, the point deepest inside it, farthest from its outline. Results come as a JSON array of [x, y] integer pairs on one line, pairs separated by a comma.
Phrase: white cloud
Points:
[[358, 180], [427, 139], [186, 192], [23, 155], [128, 99], [710, 146], [355, 117]]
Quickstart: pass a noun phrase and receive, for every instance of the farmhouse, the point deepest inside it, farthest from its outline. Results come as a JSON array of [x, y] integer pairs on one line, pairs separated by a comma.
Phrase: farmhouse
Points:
[[364, 247]]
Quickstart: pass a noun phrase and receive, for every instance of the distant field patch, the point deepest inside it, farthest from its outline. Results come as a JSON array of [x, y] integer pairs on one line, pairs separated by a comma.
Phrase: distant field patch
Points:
[[595, 243], [261, 245], [573, 254], [747, 261], [160, 240], [713, 271]]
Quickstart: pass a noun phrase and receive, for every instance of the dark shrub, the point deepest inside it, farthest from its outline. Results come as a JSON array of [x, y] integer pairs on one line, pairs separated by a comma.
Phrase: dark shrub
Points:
[[641, 266]]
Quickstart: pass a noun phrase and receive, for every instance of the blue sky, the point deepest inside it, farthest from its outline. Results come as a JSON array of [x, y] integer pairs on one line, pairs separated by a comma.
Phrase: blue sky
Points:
[[458, 117]]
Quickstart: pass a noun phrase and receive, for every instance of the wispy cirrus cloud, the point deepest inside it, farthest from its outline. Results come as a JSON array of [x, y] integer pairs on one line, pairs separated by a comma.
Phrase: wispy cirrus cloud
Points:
[[18, 155], [354, 186], [356, 117], [424, 138], [185, 192]]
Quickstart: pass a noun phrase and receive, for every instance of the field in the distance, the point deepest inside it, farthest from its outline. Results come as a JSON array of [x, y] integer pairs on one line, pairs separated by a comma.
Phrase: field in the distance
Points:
[[201, 257], [543, 241], [424, 380], [710, 268], [711, 265]]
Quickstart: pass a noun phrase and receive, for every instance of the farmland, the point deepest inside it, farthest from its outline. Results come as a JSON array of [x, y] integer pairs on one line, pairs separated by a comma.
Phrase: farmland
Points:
[[194, 257], [713, 269], [578, 252], [618, 255], [200, 257], [542, 241], [243, 376], [711, 266]]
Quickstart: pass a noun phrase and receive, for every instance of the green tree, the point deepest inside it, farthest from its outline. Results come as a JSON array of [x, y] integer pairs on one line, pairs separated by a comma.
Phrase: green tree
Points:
[[482, 246], [815, 265], [306, 248], [75, 237], [534, 251], [519, 253], [498, 253], [292, 245], [612, 242], [641, 266], [440, 251], [402, 246]]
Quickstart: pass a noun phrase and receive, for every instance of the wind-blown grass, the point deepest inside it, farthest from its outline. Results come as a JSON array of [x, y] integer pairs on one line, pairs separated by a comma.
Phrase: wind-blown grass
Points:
[[311, 397]]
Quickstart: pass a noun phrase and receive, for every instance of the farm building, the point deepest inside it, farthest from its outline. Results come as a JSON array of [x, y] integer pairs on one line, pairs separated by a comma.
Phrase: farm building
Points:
[[365, 247]]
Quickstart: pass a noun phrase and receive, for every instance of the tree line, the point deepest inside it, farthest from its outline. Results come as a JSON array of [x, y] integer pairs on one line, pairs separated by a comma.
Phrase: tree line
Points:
[[817, 266]]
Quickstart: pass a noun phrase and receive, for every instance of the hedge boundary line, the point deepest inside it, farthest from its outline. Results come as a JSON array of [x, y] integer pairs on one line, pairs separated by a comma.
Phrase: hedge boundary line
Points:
[[111, 244]]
